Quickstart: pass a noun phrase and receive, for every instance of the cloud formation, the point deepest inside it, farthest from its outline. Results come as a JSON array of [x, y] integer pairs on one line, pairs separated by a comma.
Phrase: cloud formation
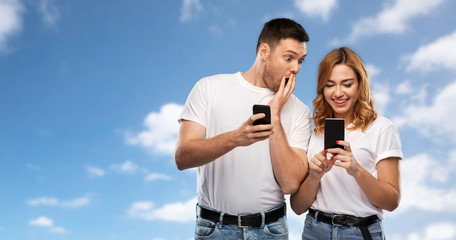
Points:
[[128, 167], [49, 12], [10, 21], [48, 223], [190, 9], [434, 56], [440, 231], [157, 176], [95, 171], [54, 202], [393, 19], [161, 133], [174, 212], [315, 9], [440, 122]]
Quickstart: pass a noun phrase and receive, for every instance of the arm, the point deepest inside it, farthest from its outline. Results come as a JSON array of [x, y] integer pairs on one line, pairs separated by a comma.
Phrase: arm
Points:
[[193, 149], [383, 192], [305, 196], [289, 164]]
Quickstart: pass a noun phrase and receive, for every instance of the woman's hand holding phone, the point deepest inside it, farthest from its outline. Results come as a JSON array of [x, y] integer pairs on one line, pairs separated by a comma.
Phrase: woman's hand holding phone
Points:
[[344, 158]]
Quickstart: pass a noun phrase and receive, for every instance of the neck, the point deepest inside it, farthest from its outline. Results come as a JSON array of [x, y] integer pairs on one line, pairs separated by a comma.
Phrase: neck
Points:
[[255, 75]]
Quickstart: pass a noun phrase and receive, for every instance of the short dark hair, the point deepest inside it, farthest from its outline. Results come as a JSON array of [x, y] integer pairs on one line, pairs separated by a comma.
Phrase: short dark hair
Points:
[[281, 28]]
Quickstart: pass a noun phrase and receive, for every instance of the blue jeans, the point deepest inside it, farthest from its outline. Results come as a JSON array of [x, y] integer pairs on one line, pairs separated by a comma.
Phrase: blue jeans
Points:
[[316, 230], [207, 229]]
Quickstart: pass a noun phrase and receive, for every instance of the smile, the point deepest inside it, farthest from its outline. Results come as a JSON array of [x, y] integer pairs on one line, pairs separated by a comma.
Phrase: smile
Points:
[[340, 102]]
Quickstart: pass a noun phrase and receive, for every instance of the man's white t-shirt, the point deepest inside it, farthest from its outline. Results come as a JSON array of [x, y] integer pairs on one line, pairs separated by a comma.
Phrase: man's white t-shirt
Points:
[[242, 180], [339, 193]]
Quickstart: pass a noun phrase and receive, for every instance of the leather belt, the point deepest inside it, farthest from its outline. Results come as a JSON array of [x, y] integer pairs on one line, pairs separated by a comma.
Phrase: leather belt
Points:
[[243, 220], [346, 220]]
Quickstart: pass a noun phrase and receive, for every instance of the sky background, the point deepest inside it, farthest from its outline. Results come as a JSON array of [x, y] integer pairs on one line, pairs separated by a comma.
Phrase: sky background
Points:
[[90, 93]]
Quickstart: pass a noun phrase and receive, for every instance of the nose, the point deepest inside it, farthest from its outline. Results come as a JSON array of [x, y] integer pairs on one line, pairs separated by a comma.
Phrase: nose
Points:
[[295, 67], [338, 93]]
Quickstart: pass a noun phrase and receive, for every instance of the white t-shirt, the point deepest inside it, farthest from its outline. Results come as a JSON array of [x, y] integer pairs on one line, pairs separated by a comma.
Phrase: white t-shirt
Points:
[[339, 192], [242, 180]]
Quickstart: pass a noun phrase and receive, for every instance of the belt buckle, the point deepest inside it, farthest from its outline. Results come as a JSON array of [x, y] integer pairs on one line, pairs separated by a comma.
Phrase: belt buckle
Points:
[[240, 220], [332, 220]]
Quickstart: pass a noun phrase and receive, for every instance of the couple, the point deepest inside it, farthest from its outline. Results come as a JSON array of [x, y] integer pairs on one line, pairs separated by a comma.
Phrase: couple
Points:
[[244, 170]]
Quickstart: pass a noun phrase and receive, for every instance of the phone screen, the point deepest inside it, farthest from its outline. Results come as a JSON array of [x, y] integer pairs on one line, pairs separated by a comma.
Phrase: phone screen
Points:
[[257, 108], [334, 130]]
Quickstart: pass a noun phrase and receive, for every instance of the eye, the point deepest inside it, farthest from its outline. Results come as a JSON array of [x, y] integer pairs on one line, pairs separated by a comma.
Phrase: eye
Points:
[[288, 58], [329, 85], [348, 85], [300, 61]]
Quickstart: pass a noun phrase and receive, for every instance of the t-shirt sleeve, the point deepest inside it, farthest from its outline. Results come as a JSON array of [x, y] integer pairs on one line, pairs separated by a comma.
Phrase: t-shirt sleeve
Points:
[[300, 135], [389, 144], [195, 106]]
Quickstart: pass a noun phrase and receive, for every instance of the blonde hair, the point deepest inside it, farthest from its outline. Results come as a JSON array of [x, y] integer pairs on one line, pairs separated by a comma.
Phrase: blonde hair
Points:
[[364, 111]]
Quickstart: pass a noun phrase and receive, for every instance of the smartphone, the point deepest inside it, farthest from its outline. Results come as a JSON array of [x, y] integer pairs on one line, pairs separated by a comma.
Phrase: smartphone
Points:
[[334, 130], [257, 108], [286, 81]]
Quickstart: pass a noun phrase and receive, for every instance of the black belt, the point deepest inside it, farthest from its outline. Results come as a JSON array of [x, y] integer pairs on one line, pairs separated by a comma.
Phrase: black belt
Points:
[[346, 220], [243, 220]]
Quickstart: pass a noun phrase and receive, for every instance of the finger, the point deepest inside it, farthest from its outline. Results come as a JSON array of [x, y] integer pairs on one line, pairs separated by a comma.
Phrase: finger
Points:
[[345, 144], [255, 117]]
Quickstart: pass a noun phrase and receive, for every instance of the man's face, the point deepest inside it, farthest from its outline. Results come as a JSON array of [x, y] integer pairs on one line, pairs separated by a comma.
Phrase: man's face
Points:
[[285, 59]]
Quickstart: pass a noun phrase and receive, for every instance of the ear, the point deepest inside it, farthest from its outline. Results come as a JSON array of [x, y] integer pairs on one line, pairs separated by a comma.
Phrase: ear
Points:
[[264, 51]]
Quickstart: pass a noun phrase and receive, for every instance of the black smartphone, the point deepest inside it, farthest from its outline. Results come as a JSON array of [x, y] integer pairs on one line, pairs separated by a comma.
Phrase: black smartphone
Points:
[[257, 108], [334, 130], [286, 81]]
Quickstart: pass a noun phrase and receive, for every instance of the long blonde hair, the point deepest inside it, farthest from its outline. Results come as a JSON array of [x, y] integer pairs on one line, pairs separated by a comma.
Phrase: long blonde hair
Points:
[[364, 111]]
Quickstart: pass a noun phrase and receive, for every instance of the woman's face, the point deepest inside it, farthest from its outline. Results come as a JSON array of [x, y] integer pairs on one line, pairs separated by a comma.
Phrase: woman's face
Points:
[[341, 91]]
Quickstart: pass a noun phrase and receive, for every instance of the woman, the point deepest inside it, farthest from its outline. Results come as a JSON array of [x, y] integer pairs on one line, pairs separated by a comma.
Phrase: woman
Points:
[[347, 189]]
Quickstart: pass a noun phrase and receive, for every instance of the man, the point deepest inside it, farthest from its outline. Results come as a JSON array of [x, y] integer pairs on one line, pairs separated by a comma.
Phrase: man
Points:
[[245, 170]]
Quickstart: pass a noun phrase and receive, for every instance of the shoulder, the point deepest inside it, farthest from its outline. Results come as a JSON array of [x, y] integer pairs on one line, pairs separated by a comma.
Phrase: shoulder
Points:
[[218, 78], [298, 105], [382, 124]]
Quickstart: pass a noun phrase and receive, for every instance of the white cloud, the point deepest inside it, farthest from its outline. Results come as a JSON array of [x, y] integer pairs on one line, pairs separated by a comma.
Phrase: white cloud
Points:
[[435, 231], [49, 223], [435, 119], [73, 203], [42, 221], [60, 230], [49, 12], [404, 88], [10, 21], [174, 212], [314, 9], [421, 176], [77, 202], [382, 97], [372, 70], [157, 176], [434, 56], [161, 133], [126, 167], [95, 172], [393, 19], [190, 8]]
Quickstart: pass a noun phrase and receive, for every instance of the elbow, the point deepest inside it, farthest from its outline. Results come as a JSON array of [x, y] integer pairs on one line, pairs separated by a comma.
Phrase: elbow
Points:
[[393, 206], [178, 158], [291, 187], [297, 206]]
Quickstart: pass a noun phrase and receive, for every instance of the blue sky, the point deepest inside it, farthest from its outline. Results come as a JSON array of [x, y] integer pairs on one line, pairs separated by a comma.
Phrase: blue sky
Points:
[[90, 92]]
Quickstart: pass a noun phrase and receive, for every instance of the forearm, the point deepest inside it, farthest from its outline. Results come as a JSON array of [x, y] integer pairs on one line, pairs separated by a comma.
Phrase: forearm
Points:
[[197, 152], [381, 194], [289, 167], [305, 196]]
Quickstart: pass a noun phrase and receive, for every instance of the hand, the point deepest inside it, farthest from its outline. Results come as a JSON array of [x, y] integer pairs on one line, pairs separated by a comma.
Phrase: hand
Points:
[[247, 133], [282, 96], [320, 164], [344, 158]]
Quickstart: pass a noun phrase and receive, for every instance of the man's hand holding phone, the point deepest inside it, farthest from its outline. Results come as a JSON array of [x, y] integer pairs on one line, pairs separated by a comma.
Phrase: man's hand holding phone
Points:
[[257, 128]]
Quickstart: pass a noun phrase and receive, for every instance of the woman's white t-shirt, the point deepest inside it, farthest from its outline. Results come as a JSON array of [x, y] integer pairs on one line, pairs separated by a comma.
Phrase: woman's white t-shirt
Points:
[[339, 193]]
